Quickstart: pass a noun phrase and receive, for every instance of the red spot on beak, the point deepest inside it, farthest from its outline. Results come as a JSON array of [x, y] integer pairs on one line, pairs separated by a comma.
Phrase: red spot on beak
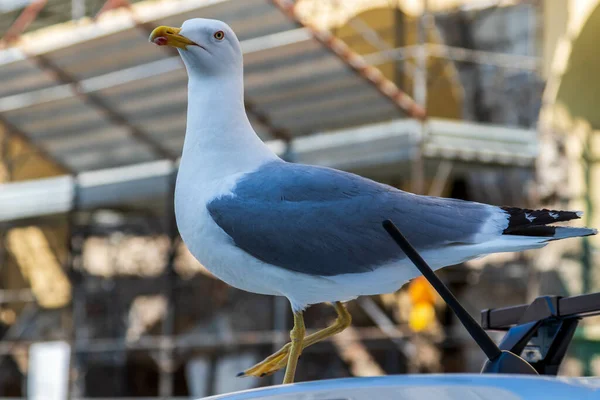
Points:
[[160, 41]]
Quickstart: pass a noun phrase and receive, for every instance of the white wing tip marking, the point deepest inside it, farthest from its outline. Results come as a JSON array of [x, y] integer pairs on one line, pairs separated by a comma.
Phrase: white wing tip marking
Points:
[[529, 217]]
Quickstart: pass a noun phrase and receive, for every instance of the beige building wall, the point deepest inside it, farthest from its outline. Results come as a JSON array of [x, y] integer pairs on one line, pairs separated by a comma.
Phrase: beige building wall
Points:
[[568, 167], [34, 254]]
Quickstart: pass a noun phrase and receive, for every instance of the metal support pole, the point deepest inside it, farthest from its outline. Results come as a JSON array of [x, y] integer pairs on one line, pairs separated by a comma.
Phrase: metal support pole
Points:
[[5, 154], [587, 251], [204, 343], [166, 362], [281, 310], [420, 78], [535, 52], [388, 327], [8, 296], [441, 178], [420, 96], [5, 165], [78, 302], [77, 9]]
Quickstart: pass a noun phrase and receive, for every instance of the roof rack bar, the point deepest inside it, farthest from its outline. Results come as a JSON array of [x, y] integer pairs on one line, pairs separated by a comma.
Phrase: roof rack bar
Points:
[[558, 307]]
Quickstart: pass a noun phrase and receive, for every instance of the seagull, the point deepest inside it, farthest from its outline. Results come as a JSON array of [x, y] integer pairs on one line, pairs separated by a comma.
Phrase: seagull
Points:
[[309, 233]]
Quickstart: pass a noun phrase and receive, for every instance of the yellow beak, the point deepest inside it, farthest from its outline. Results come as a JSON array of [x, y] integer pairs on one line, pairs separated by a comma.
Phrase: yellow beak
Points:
[[167, 36]]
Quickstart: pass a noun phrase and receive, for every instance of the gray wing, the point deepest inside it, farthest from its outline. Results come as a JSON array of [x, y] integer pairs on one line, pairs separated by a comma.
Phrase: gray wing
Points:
[[321, 221]]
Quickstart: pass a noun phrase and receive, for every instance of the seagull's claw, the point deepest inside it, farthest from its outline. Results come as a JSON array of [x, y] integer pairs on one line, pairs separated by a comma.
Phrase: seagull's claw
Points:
[[269, 365]]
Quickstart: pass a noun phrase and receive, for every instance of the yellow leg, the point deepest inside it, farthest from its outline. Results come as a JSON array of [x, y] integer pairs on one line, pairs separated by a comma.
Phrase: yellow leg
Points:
[[342, 321], [297, 340], [279, 359]]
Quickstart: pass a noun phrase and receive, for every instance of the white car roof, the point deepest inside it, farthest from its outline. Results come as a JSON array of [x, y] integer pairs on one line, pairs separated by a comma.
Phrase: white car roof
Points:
[[435, 387]]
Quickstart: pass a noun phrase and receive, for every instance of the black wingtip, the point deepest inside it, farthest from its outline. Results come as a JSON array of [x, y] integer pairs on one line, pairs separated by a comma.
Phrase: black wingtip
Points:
[[527, 222]]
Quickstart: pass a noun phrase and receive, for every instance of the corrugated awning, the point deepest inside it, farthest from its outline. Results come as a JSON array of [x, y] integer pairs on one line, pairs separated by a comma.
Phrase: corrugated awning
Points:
[[383, 144], [97, 95], [293, 85]]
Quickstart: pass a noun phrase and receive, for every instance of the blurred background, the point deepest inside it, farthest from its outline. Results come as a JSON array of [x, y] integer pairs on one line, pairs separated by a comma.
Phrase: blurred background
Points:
[[99, 297]]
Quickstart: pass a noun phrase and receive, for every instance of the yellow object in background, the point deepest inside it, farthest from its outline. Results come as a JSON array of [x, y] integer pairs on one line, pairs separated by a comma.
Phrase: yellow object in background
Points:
[[421, 317], [420, 291], [422, 296], [39, 266]]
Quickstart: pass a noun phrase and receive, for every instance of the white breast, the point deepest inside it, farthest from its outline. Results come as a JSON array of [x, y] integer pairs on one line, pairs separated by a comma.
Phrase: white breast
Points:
[[209, 244]]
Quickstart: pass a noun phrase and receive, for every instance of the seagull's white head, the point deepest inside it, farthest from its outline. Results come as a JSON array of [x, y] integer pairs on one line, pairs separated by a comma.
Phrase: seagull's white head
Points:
[[207, 46]]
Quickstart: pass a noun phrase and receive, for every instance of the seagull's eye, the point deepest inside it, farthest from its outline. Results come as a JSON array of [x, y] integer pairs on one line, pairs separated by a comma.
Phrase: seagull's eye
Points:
[[219, 35]]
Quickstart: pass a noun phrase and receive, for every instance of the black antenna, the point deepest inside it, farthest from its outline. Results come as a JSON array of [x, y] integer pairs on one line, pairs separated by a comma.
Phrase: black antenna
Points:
[[499, 361]]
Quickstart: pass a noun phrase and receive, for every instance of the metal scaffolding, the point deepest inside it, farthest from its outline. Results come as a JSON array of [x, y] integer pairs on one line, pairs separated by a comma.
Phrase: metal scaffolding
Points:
[[94, 185]]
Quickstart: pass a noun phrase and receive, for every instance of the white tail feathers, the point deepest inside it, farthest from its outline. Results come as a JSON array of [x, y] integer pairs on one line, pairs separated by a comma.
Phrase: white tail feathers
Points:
[[567, 232]]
